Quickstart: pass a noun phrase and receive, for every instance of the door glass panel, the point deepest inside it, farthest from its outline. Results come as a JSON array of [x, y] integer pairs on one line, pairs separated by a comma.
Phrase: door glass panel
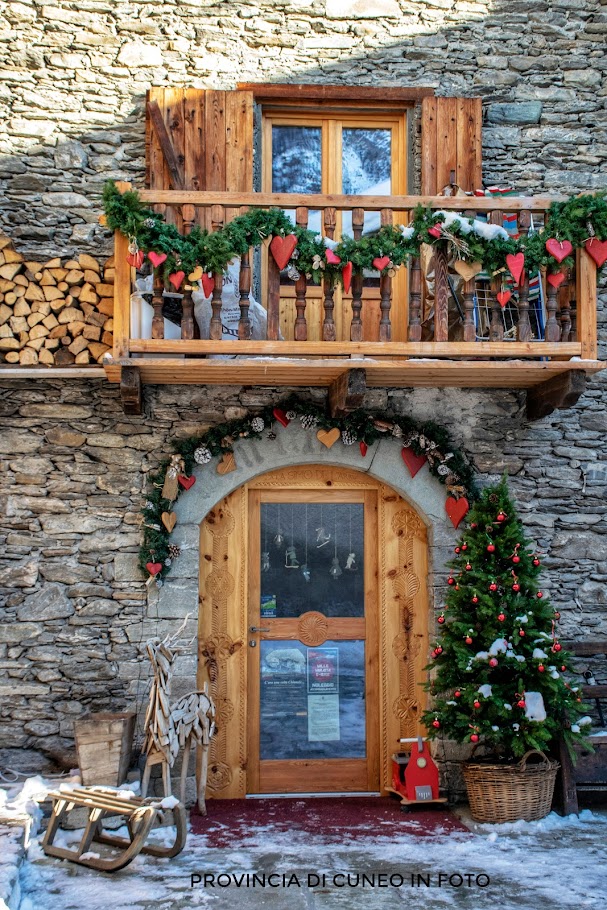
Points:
[[366, 169], [312, 559], [312, 700], [296, 164]]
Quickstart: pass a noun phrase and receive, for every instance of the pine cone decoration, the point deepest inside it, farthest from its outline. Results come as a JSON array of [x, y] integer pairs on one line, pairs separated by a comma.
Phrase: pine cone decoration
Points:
[[258, 424], [174, 551], [308, 421], [397, 431], [291, 415], [348, 437], [202, 455]]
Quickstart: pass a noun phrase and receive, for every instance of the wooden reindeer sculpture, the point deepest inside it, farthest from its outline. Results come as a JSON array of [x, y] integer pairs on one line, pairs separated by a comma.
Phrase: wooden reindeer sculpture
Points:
[[171, 727]]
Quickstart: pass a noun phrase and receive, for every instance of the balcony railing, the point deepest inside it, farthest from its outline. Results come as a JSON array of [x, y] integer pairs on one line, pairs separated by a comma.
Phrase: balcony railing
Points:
[[460, 339]]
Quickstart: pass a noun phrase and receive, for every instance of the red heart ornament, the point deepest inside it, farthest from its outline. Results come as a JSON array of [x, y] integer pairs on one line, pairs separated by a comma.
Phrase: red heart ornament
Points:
[[208, 283], [136, 259], [186, 482], [282, 248], [380, 262], [157, 258], [331, 258], [597, 249], [559, 250], [364, 448], [176, 279], [281, 417], [456, 509], [516, 265], [346, 274], [153, 567], [555, 279], [414, 462], [435, 231], [503, 297]]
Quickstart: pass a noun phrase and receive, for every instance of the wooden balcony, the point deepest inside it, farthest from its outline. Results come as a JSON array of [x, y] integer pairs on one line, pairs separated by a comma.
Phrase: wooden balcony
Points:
[[386, 327]]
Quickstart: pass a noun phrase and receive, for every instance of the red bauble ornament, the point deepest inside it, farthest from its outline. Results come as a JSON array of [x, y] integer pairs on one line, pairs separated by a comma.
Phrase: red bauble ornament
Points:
[[457, 550], [477, 704], [464, 547], [563, 668], [516, 586], [491, 548], [493, 662], [441, 619], [438, 650], [541, 668], [516, 559], [451, 580], [521, 704], [457, 587], [539, 595], [493, 586], [475, 599], [474, 738], [435, 231], [501, 516], [536, 561], [457, 693], [468, 640], [468, 567], [474, 526], [501, 616], [436, 723], [521, 632], [557, 615], [557, 646]]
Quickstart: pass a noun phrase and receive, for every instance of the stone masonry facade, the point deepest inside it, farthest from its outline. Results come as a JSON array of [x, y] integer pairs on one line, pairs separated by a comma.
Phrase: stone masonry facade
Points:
[[74, 610]]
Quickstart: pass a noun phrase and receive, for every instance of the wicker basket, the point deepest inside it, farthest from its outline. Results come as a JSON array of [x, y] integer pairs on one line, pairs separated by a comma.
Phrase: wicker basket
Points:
[[507, 793]]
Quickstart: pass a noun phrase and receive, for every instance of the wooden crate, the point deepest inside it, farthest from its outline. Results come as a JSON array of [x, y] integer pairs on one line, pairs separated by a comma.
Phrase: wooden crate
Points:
[[104, 744]]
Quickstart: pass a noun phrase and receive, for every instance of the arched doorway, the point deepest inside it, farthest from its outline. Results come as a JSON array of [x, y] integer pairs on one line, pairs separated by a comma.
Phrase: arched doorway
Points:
[[314, 680]]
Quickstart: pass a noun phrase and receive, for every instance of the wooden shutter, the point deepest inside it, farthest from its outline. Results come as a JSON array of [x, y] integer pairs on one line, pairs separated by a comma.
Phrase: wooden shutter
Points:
[[451, 142], [211, 137]]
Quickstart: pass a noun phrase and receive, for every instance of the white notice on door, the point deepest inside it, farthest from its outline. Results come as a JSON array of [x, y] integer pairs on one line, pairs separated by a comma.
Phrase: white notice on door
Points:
[[323, 718]]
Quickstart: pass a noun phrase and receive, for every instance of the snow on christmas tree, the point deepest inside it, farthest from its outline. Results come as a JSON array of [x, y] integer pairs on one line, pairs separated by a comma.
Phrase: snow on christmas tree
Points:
[[498, 664]]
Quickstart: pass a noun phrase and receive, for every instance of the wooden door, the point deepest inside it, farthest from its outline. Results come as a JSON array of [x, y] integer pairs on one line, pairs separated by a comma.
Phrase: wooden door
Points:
[[390, 631], [312, 641]]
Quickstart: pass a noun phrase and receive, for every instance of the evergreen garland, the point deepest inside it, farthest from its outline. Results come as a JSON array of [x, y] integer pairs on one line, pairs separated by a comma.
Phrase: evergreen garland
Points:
[[577, 220], [446, 462]]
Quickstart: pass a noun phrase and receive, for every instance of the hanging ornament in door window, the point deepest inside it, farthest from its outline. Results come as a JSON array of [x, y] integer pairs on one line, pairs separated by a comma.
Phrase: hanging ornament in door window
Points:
[[291, 561], [351, 565], [265, 554], [279, 540], [322, 535], [305, 571], [335, 570]]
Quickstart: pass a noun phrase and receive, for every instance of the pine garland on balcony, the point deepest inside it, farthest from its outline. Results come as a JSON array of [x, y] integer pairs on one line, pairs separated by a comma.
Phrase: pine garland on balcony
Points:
[[579, 222], [174, 475]]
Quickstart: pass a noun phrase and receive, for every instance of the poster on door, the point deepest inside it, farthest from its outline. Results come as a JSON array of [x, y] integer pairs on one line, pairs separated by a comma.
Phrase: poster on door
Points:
[[323, 671], [323, 718]]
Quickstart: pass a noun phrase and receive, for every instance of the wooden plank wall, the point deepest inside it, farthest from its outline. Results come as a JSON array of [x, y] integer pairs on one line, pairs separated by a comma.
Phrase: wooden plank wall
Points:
[[451, 141], [212, 134]]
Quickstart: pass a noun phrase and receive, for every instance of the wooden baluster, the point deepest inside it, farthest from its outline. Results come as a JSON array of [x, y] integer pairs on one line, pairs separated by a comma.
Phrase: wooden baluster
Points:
[[441, 293], [553, 329], [273, 299], [300, 332], [188, 214], [565, 307], [523, 332], [157, 318], [215, 328], [496, 329], [573, 304], [385, 290], [356, 326], [244, 288], [469, 326], [187, 316], [415, 300], [329, 332]]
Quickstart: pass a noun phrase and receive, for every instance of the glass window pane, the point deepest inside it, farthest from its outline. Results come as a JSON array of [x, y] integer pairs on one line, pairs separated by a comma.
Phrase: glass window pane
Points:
[[296, 159], [312, 700], [312, 559], [366, 169]]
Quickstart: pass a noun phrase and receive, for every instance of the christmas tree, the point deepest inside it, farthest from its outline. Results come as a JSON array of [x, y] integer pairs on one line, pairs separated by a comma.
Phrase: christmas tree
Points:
[[498, 664]]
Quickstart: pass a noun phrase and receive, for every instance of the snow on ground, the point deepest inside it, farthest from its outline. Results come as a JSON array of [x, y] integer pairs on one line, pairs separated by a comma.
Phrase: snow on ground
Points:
[[538, 865]]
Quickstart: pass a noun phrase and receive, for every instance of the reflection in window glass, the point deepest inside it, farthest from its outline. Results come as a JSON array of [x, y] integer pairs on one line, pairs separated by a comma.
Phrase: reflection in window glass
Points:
[[296, 159], [312, 700], [366, 169], [312, 559]]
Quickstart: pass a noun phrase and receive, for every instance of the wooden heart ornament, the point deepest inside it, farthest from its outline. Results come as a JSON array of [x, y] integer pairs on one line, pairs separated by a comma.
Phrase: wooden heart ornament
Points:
[[208, 283], [282, 248], [157, 258], [169, 520], [467, 269], [414, 462], [196, 275], [559, 249], [227, 463], [516, 264], [328, 437], [136, 259], [176, 279], [381, 262], [597, 249], [364, 448], [186, 482], [503, 297], [331, 258], [346, 276], [456, 509], [555, 279], [153, 567], [281, 416], [435, 231]]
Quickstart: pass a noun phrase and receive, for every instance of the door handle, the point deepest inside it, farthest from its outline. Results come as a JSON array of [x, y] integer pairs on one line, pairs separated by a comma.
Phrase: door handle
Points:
[[258, 629]]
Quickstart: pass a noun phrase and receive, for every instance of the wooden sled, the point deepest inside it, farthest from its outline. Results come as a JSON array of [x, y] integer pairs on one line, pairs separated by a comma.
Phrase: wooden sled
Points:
[[140, 815]]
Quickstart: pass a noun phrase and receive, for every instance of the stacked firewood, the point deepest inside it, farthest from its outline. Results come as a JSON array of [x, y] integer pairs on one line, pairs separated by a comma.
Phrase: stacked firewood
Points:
[[55, 313]]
